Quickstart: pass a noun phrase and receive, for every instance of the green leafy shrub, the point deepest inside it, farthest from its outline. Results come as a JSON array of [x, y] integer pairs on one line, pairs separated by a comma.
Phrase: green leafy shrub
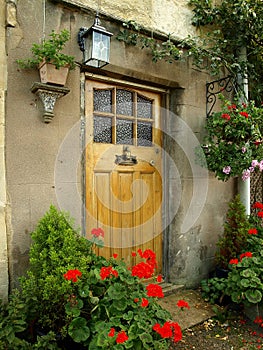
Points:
[[212, 290], [244, 282], [235, 235], [56, 248], [72, 298]]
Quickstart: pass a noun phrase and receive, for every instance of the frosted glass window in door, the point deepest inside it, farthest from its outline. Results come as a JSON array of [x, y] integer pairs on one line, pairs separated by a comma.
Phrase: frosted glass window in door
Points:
[[102, 101], [124, 102], [124, 132], [144, 107], [102, 130], [144, 134]]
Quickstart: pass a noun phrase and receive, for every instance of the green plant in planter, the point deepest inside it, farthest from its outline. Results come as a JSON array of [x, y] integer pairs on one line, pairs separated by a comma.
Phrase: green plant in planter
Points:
[[50, 50], [234, 143], [234, 239]]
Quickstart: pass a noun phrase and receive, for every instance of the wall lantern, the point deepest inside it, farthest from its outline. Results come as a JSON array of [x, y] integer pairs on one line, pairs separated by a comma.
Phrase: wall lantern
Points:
[[95, 44]]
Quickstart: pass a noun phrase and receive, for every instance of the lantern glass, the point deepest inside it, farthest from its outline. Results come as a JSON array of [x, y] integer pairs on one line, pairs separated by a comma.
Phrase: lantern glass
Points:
[[97, 48]]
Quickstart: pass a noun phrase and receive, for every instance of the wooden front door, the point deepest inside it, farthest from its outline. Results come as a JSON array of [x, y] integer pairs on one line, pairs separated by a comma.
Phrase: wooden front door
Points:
[[123, 169]]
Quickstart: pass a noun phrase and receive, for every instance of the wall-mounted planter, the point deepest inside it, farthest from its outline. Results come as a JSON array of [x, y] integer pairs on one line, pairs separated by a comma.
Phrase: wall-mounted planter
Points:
[[49, 74], [49, 95]]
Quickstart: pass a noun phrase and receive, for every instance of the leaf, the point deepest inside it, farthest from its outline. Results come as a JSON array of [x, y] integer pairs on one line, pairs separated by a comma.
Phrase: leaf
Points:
[[245, 283], [146, 338], [253, 296], [248, 273], [78, 330], [94, 300], [116, 291], [128, 316], [84, 292], [120, 304]]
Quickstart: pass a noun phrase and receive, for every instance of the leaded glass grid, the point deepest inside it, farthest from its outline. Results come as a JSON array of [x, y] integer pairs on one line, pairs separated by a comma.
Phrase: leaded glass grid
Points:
[[132, 113]]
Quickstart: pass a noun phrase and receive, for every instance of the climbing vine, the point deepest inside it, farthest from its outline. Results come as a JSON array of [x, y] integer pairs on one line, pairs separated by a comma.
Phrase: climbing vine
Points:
[[230, 39], [133, 35]]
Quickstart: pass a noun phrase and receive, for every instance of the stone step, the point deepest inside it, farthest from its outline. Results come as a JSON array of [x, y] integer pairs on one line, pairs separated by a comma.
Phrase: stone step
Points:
[[169, 288]]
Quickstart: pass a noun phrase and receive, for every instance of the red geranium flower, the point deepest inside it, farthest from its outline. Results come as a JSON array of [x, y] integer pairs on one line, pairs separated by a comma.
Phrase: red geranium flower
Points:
[[257, 205], [154, 290], [253, 231], [182, 304], [232, 107], [246, 255], [233, 261], [72, 275], [244, 114], [111, 332], [145, 302], [140, 252], [159, 278], [226, 116], [258, 320], [142, 270], [107, 271], [133, 254], [169, 329], [97, 232], [150, 257], [121, 337], [115, 256], [260, 214]]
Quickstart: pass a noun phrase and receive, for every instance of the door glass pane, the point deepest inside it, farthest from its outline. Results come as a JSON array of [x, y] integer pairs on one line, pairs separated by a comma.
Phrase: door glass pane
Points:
[[102, 130], [144, 134], [144, 107], [124, 132], [102, 101], [124, 102]]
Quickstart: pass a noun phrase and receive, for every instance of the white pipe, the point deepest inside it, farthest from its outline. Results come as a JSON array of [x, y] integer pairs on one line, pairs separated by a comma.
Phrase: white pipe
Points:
[[244, 186], [44, 21], [244, 191]]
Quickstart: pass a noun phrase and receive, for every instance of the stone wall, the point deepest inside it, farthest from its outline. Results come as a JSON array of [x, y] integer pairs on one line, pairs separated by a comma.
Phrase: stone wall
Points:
[[32, 147], [167, 16]]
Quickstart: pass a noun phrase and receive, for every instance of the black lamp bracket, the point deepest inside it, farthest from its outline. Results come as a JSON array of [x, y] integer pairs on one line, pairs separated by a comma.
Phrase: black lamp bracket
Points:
[[81, 34]]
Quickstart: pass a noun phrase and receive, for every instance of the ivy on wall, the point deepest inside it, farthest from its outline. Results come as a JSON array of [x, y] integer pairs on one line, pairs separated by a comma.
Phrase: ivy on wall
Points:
[[135, 35], [230, 38]]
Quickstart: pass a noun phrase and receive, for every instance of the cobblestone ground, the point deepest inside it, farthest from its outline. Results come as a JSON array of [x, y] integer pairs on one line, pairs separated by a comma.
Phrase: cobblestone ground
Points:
[[236, 332]]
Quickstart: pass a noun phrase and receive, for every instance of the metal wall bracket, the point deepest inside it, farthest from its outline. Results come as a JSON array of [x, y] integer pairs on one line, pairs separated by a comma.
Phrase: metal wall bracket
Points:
[[225, 86], [49, 95]]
